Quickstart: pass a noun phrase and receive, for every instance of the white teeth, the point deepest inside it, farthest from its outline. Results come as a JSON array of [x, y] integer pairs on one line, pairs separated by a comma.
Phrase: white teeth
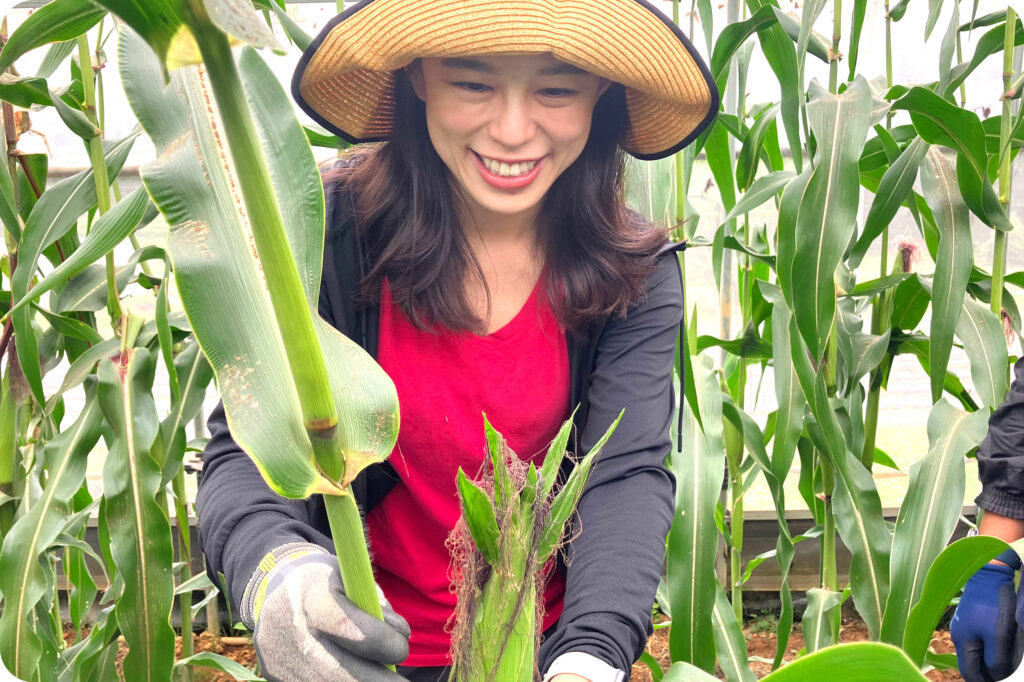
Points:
[[508, 170]]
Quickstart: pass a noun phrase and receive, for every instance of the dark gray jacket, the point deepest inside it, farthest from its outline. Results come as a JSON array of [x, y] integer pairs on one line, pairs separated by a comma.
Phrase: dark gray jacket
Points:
[[627, 505], [1001, 454]]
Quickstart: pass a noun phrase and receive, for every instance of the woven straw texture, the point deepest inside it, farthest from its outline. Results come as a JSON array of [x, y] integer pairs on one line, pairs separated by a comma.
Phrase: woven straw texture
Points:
[[348, 80]]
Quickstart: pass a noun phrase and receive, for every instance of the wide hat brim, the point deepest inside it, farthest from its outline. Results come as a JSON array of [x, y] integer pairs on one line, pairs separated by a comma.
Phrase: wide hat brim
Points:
[[345, 78]]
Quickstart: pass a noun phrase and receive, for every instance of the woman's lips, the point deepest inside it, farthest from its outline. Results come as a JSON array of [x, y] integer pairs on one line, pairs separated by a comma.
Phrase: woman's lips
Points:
[[507, 183]]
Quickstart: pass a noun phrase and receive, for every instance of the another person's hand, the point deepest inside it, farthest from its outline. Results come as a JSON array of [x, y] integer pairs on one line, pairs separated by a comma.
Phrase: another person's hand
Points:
[[984, 628], [308, 630]]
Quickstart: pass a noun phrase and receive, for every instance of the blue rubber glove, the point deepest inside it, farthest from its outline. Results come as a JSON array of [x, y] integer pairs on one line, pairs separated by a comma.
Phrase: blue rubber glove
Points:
[[984, 628]]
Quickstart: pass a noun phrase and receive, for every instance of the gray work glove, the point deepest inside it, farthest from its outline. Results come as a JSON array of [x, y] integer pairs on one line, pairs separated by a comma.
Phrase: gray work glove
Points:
[[306, 629]]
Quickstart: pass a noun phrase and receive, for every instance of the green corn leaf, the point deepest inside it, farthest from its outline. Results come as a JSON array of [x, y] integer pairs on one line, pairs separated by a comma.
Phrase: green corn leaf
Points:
[[87, 290], [208, 659], [983, 21], [200, 581], [24, 92], [685, 672], [788, 425], [140, 534], [55, 21], [106, 233], [698, 463], [36, 167], [816, 625], [910, 303], [720, 161], [529, 494], [291, 29], [947, 574], [991, 42], [985, 343], [732, 650], [55, 213], [22, 576], [503, 487], [732, 38], [930, 510], [194, 374], [163, 333], [239, 19], [857, 21], [213, 262], [760, 191], [83, 588], [55, 56], [881, 150], [553, 458], [934, 8], [478, 512], [809, 14], [873, 287], [854, 662], [567, 498], [953, 265], [706, 20], [817, 45], [897, 11], [160, 24], [948, 46], [858, 509], [940, 122], [69, 327], [75, 120], [780, 52], [895, 187], [746, 164], [80, 369], [819, 207], [319, 137]]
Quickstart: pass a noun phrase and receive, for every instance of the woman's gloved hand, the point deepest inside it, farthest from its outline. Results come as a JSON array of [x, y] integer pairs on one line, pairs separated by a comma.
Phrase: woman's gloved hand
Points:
[[984, 629], [308, 630]]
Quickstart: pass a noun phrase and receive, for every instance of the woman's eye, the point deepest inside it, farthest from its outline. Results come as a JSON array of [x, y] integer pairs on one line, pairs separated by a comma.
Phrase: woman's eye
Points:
[[472, 87], [557, 92]]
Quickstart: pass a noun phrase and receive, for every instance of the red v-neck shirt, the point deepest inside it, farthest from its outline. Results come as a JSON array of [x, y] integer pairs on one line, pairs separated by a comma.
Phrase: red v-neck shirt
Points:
[[517, 375]]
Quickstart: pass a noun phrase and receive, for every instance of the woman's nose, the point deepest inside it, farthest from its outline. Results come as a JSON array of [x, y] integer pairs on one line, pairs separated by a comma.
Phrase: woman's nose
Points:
[[512, 125]]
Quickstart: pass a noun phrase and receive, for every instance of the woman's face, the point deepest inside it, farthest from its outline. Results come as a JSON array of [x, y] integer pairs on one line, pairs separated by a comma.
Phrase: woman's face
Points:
[[506, 126]]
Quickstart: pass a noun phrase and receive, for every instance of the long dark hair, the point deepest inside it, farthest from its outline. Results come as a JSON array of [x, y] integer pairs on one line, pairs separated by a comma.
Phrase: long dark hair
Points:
[[598, 253]]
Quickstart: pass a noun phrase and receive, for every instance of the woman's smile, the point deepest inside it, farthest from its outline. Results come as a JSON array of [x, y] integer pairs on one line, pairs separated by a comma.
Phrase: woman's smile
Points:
[[505, 175]]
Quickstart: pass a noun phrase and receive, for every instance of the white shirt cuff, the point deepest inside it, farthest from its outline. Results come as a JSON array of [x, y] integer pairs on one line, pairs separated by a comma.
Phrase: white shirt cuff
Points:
[[584, 665]]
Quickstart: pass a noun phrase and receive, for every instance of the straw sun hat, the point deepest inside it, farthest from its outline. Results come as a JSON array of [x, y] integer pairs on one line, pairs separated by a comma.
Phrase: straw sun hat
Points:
[[345, 79]]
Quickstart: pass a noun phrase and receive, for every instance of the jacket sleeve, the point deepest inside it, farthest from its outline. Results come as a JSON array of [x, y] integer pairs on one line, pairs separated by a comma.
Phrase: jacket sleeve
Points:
[[1001, 454], [614, 561], [240, 518]]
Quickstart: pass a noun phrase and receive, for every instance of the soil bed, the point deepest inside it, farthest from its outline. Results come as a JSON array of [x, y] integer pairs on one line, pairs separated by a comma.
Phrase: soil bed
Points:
[[759, 635], [761, 643]]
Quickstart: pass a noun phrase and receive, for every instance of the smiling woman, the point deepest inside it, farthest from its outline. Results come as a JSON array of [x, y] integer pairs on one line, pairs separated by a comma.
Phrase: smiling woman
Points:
[[506, 126], [484, 256]]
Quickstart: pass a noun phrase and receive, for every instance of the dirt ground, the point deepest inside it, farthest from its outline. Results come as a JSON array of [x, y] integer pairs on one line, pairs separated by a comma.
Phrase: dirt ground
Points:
[[759, 632], [761, 643]]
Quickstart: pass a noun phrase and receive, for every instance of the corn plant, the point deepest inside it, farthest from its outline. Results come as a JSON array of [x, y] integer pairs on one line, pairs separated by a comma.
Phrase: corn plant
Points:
[[804, 306], [309, 406], [512, 523], [47, 502]]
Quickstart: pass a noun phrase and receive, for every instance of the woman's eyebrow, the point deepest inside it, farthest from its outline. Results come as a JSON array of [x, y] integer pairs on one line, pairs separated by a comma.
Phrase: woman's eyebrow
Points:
[[561, 69], [464, 63], [476, 65]]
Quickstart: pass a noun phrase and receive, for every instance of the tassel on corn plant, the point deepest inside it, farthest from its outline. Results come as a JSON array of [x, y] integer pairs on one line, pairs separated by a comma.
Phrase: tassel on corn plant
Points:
[[512, 522]]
